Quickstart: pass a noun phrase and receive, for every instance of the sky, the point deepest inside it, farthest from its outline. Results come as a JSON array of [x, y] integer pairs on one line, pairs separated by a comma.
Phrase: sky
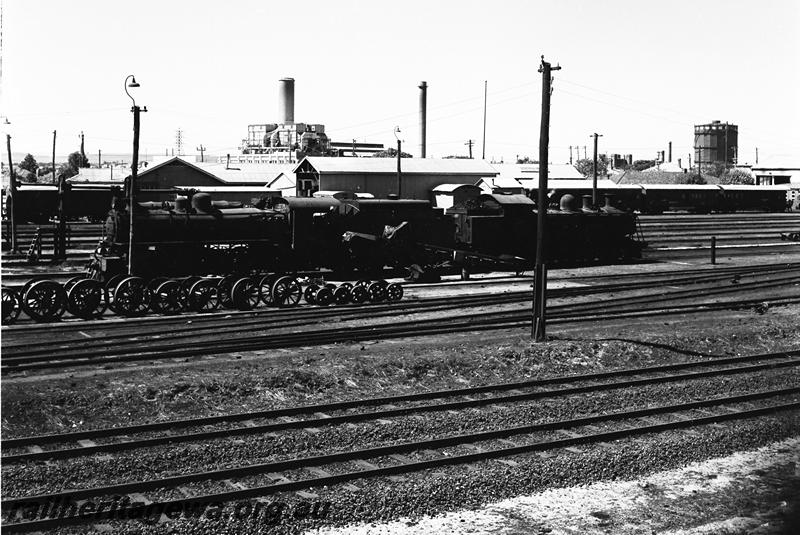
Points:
[[641, 73]]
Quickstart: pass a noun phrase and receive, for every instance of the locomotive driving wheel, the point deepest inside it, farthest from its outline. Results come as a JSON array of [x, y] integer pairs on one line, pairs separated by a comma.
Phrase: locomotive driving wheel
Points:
[[44, 300], [265, 288], [376, 292], [359, 294], [286, 292], [394, 292], [131, 297], [225, 287], [168, 298], [87, 299], [71, 282], [204, 296], [245, 294], [111, 283], [11, 306]]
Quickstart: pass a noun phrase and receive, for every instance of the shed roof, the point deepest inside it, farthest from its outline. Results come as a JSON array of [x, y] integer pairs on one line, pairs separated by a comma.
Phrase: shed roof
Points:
[[555, 171], [409, 166], [102, 175], [240, 174]]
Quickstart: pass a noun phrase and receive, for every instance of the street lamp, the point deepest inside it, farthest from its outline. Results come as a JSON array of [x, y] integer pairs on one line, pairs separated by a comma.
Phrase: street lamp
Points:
[[12, 189], [399, 175], [134, 166]]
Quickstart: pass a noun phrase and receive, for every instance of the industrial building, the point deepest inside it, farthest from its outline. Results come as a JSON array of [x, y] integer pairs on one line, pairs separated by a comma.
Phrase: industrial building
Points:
[[716, 142], [287, 142], [379, 176]]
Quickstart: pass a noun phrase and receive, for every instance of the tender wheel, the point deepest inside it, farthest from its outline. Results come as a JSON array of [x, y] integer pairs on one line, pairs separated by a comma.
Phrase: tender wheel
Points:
[[359, 294], [87, 299], [324, 296], [341, 296], [44, 300], [286, 292], [225, 287], [330, 285], [346, 285], [376, 292], [265, 288], [394, 292], [363, 282], [245, 294], [309, 293], [168, 298], [383, 283], [11, 306], [204, 296], [131, 297]]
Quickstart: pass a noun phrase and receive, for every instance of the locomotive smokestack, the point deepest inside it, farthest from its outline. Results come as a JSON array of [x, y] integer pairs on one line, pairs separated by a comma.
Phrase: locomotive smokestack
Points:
[[286, 100], [423, 106]]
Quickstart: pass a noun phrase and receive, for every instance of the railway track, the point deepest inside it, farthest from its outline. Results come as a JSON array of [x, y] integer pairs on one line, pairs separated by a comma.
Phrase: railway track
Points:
[[416, 292], [622, 379], [292, 473], [310, 327]]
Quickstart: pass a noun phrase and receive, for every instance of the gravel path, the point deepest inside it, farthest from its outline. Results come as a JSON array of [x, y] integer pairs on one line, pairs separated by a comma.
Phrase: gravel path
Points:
[[702, 498]]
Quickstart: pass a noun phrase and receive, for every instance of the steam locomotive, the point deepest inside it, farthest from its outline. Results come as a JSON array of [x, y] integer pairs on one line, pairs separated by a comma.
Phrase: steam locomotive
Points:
[[199, 254]]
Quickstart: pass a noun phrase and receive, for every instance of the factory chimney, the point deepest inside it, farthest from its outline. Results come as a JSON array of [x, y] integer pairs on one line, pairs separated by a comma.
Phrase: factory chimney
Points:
[[423, 106], [670, 151], [286, 100]]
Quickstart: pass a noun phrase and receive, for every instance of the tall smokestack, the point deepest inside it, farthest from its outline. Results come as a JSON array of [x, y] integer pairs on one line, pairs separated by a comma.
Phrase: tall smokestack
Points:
[[286, 100], [670, 151], [423, 107]]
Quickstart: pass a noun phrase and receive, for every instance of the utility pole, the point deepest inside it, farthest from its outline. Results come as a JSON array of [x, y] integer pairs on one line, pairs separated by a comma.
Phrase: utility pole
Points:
[[131, 190], [539, 323], [354, 147], [570, 154], [179, 141], [485, 94], [756, 155], [584, 152], [12, 190], [83, 153], [423, 119], [469, 143], [60, 239], [399, 172], [594, 173], [670, 152], [202, 149], [54, 157], [99, 159]]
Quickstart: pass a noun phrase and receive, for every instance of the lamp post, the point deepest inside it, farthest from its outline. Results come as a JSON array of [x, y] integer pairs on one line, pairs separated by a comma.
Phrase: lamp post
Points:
[[134, 167], [399, 173], [12, 189]]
